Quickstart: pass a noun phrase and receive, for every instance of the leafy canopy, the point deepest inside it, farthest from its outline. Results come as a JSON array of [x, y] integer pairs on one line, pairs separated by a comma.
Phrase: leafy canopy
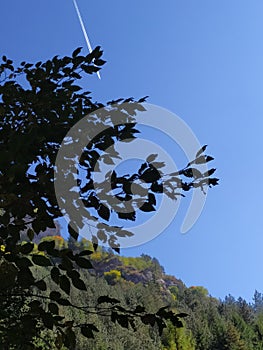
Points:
[[39, 104]]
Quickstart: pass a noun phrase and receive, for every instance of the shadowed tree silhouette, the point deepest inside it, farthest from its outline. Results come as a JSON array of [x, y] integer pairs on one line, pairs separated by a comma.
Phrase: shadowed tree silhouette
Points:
[[39, 104]]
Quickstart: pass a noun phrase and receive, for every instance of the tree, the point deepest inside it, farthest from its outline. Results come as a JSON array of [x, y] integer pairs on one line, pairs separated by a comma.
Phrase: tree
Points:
[[233, 340], [39, 104]]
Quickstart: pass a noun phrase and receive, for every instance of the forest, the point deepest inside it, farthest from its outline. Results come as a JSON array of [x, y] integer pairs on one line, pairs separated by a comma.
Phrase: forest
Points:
[[208, 323]]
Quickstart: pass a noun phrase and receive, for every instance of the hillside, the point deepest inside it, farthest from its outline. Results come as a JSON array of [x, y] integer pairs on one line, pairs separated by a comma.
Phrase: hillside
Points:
[[211, 324], [141, 283]]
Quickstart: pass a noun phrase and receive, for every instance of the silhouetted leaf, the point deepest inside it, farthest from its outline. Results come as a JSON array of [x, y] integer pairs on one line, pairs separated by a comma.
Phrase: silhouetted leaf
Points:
[[23, 263], [213, 182], [150, 175], [41, 260], [82, 262], [106, 299], [157, 188], [70, 338], [200, 151], [116, 249], [26, 248], [139, 309], [209, 172], [35, 305], [76, 52], [151, 158], [208, 159], [151, 199], [48, 320], [182, 314], [73, 274], [54, 295], [30, 234], [41, 285], [79, 284], [124, 233], [64, 284], [25, 278], [148, 319], [127, 216], [123, 321], [102, 236], [200, 160], [104, 212], [53, 308], [88, 330], [147, 207], [55, 274], [66, 264], [64, 302], [46, 246], [85, 252], [143, 99], [73, 231], [99, 62]]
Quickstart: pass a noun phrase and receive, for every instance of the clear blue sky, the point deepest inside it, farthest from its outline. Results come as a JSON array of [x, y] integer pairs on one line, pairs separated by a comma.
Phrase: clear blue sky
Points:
[[203, 60]]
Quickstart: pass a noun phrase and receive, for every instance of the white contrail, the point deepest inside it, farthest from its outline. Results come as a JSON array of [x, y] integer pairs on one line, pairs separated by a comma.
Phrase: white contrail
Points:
[[84, 30]]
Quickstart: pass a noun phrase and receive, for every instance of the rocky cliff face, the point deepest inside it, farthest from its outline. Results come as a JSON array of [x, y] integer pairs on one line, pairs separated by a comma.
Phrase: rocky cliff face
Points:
[[145, 272]]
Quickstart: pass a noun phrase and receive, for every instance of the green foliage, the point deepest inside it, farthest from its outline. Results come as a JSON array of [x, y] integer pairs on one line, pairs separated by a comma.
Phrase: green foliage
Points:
[[112, 276]]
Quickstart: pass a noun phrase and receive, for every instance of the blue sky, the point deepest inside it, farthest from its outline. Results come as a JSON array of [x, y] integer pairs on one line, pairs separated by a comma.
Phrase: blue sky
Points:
[[203, 60]]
